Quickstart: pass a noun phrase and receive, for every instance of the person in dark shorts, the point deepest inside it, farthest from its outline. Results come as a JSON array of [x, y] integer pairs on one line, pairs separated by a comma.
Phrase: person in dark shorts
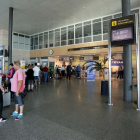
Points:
[[30, 78]]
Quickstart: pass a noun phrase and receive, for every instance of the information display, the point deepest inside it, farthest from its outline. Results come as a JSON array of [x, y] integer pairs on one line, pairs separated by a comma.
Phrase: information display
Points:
[[122, 31], [122, 34]]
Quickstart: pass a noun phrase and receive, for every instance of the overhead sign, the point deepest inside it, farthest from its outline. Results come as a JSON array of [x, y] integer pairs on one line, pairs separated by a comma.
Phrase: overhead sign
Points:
[[122, 21], [116, 62], [122, 30]]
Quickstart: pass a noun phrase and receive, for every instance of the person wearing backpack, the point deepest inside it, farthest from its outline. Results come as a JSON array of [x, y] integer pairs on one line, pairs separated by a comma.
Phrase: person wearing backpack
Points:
[[10, 76]]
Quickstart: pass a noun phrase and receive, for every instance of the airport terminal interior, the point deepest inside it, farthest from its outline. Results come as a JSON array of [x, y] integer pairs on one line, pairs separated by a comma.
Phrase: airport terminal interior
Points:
[[95, 43]]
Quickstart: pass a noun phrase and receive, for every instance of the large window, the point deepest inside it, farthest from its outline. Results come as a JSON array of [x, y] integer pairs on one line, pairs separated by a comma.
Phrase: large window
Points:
[[46, 40], [78, 33], [51, 39], [21, 42], [32, 43], [87, 31], [15, 41], [27, 43], [97, 32], [105, 27], [40, 41], [57, 37], [63, 36], [71, 35], [36, 42]]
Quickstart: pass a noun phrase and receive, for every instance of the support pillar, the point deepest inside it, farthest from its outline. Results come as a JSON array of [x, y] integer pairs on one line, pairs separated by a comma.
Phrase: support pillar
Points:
[[10, 36], [127, 57]]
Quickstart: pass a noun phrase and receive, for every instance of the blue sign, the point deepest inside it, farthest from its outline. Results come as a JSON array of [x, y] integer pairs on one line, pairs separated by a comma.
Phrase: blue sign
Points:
[[90, 75], [116, 62]]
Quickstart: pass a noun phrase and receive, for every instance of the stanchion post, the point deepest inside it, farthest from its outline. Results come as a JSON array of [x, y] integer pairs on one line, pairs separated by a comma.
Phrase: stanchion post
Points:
[[109, 59], [137, 58]]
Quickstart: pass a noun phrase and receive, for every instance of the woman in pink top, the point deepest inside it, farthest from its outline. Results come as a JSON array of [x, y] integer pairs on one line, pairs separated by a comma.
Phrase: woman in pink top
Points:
[[17, 86]]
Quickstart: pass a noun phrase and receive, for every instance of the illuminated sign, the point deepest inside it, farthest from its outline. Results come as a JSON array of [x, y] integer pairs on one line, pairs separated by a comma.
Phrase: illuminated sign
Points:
[[116, 62], [122, 34], [122, 31]]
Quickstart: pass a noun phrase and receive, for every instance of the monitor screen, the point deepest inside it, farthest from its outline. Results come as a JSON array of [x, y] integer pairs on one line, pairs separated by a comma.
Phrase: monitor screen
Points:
[[81, 58], [122, 34]]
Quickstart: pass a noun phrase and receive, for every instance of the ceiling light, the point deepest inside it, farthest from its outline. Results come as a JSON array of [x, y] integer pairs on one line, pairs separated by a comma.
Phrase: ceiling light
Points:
[[84, 7]]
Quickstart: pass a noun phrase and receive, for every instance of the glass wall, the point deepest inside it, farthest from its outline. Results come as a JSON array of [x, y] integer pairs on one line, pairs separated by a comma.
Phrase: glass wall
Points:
[[41, 41], [57, 37], [97, 31], [51, 38], [15, 41], [87, 31], [27, 43], [84, 32], [46, 40], [63, 36], [78, 33], [71, 35]]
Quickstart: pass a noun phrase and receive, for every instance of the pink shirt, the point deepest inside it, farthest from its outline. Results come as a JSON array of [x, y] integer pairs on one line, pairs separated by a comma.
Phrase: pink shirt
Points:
[[19, 75]]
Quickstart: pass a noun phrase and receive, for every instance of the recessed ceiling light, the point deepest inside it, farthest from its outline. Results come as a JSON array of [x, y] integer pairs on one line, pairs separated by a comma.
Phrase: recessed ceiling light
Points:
[[84, 7]]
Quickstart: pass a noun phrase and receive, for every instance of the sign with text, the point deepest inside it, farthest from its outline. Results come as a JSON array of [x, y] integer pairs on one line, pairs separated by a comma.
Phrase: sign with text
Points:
[[122, 30], [116, 62]]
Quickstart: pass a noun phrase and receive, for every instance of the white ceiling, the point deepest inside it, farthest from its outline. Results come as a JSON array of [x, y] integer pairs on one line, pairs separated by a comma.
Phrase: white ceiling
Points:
[[33, 16]]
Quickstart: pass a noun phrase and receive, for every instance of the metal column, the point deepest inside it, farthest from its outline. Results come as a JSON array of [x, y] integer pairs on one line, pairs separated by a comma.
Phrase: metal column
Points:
[[10, 36], [138, 61], [109, 60], [127, 57]]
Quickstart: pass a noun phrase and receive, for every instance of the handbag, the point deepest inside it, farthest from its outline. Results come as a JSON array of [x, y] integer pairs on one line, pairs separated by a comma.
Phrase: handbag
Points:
[[24, 93]]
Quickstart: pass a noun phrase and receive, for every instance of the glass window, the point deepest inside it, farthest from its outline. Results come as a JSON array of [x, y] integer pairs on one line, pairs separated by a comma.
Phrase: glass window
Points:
[[97, 20], [135, 11], [36, 40], [15, 41], [118, 15], [71, 35], [78, 30], [57, 37], [21, 42], [51, 38], [97, 38], [63, 36], [87, 29], [105, 37], [31, 43], [107, 18], [41, 38], [27, 43], [97, 28], [40, 46], [46, 40], [105, 27]]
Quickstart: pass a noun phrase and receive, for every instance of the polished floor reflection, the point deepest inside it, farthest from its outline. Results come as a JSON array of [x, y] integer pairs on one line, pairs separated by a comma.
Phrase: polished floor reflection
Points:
[[74, 110]]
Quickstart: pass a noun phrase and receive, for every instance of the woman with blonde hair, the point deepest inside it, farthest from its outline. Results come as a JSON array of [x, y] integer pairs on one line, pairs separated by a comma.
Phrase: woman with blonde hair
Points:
[[30, 78]]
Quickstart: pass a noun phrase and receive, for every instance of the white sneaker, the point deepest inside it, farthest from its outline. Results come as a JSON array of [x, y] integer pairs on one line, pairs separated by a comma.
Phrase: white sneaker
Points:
[[2, 120]]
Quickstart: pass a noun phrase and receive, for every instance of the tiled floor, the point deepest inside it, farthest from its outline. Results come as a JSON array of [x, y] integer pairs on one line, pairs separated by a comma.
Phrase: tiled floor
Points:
[[74, 110]]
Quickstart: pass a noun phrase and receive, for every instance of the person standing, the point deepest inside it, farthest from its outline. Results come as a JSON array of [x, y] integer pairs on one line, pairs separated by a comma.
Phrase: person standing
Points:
[[1, 103], [10, 76], [69, 68], [30, 78], [78, 71], [63, 70], [36, 73], [56, 72], [17, 86], [119, 72], [45, 70]]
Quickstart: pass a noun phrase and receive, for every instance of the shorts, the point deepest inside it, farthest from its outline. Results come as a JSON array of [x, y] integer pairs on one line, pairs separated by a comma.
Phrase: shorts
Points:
[[30, 82], [18, 99], [35, 77]]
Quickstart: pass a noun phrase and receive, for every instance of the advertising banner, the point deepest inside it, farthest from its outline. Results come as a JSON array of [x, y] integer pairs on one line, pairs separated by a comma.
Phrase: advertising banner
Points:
[[90, 75], [116, 62]]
